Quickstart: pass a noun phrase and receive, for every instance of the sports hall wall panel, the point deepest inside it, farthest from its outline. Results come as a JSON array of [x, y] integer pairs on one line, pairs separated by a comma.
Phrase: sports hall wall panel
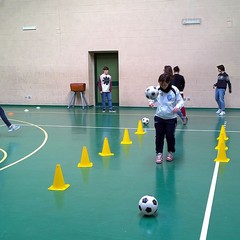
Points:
[[147, 35]]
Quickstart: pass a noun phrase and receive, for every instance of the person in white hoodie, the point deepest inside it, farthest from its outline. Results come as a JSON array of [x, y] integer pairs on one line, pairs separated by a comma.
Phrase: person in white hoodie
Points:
[[168, 102]]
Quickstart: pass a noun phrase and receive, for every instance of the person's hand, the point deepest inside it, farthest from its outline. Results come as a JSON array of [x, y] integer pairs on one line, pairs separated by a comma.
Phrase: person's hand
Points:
[[176, 109], [100, 92], [151, 104], [214, 86]]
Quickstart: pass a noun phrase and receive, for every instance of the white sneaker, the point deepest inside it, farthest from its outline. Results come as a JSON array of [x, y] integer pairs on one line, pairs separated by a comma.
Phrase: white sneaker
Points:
[[221, 113], [170, 157], [218, 111], [159, 158], [13, 127]]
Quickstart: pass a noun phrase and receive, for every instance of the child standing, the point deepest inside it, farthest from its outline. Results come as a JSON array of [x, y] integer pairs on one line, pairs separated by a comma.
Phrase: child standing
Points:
[[169, 101], [105, 88]]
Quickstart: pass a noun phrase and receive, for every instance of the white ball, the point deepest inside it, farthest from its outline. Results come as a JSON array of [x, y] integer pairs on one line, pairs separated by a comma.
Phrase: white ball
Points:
[[145, 121], [148, 205], [151, 92]]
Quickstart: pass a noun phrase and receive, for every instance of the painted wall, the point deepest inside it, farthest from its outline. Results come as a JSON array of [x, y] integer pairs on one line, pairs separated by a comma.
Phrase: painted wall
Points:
[[147, 34]]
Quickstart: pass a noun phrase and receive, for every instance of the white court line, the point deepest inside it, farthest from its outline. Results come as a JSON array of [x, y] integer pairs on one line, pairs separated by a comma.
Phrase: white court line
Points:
[[4, 155], [133, 128], [33, 152], [208, 210], [121, 112]]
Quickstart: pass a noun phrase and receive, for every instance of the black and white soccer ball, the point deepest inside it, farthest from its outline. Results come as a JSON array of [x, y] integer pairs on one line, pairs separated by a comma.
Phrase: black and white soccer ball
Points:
[[145, 121], [151, 92], [148, 205]]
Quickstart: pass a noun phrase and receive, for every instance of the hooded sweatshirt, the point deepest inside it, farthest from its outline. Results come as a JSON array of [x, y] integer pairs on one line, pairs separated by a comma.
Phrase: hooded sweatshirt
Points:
[[167, 100]]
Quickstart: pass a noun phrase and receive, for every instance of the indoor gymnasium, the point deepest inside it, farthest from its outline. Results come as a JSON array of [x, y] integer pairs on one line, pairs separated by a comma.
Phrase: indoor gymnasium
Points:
[[98, 140]]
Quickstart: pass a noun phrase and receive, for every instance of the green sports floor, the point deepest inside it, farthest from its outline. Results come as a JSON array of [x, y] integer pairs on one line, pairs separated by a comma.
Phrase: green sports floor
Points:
[[198, 197]]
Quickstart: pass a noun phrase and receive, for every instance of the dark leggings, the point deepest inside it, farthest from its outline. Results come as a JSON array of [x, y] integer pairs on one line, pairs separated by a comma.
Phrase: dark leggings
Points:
[[165, 127], [4, 118]]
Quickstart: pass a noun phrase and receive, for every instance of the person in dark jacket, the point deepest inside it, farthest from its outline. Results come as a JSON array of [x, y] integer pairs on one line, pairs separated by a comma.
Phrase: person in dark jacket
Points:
[[220, 88]]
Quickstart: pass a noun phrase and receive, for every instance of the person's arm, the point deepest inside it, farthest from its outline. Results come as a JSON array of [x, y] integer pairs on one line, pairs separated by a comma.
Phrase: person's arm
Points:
[[99, 85], [183, 83], [229, 84], [179, 101], [110, 84]]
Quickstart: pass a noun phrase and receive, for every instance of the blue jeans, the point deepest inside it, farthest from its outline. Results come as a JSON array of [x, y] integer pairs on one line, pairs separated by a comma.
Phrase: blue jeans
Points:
[[219, 97], [108, 96]]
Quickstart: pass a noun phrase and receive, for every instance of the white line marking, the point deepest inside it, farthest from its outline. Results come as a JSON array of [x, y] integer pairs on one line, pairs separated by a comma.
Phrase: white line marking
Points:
[[208, 210], [33, 152], [131, 128], [4, 155]]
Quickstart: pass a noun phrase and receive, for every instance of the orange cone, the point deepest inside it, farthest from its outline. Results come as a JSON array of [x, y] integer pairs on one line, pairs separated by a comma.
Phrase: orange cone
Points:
[[58, 182], [85, 162], [140, 128], [106, 149], [126, 138]]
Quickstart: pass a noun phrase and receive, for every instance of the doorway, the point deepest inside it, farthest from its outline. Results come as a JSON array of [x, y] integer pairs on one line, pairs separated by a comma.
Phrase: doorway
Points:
[[110, 60]]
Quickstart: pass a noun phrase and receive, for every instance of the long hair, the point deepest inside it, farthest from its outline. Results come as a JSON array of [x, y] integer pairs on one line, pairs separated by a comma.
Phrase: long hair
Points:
[[168, 70], [167, 76]]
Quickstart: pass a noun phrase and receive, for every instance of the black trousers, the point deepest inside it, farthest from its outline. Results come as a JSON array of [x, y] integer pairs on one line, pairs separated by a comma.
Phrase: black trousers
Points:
[[165, 128]]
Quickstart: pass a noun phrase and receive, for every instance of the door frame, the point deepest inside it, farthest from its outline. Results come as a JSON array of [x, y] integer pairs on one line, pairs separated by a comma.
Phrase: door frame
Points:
[[92, 73]]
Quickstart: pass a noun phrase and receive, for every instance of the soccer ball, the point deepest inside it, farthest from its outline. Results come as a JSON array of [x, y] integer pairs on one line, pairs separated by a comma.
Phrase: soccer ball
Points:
[[145, 121], [151, 92], [148, 205]]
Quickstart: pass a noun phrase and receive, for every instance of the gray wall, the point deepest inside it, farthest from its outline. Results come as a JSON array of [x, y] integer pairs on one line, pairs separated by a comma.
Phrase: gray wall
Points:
[[147, 34]]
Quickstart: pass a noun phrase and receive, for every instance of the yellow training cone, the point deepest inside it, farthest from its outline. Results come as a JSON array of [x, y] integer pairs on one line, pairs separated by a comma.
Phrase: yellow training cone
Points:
[[126, 138], [85, 162], [222, 157], [106, 149], [221, 143], [140, 128], [223, 134], [58, 182]]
